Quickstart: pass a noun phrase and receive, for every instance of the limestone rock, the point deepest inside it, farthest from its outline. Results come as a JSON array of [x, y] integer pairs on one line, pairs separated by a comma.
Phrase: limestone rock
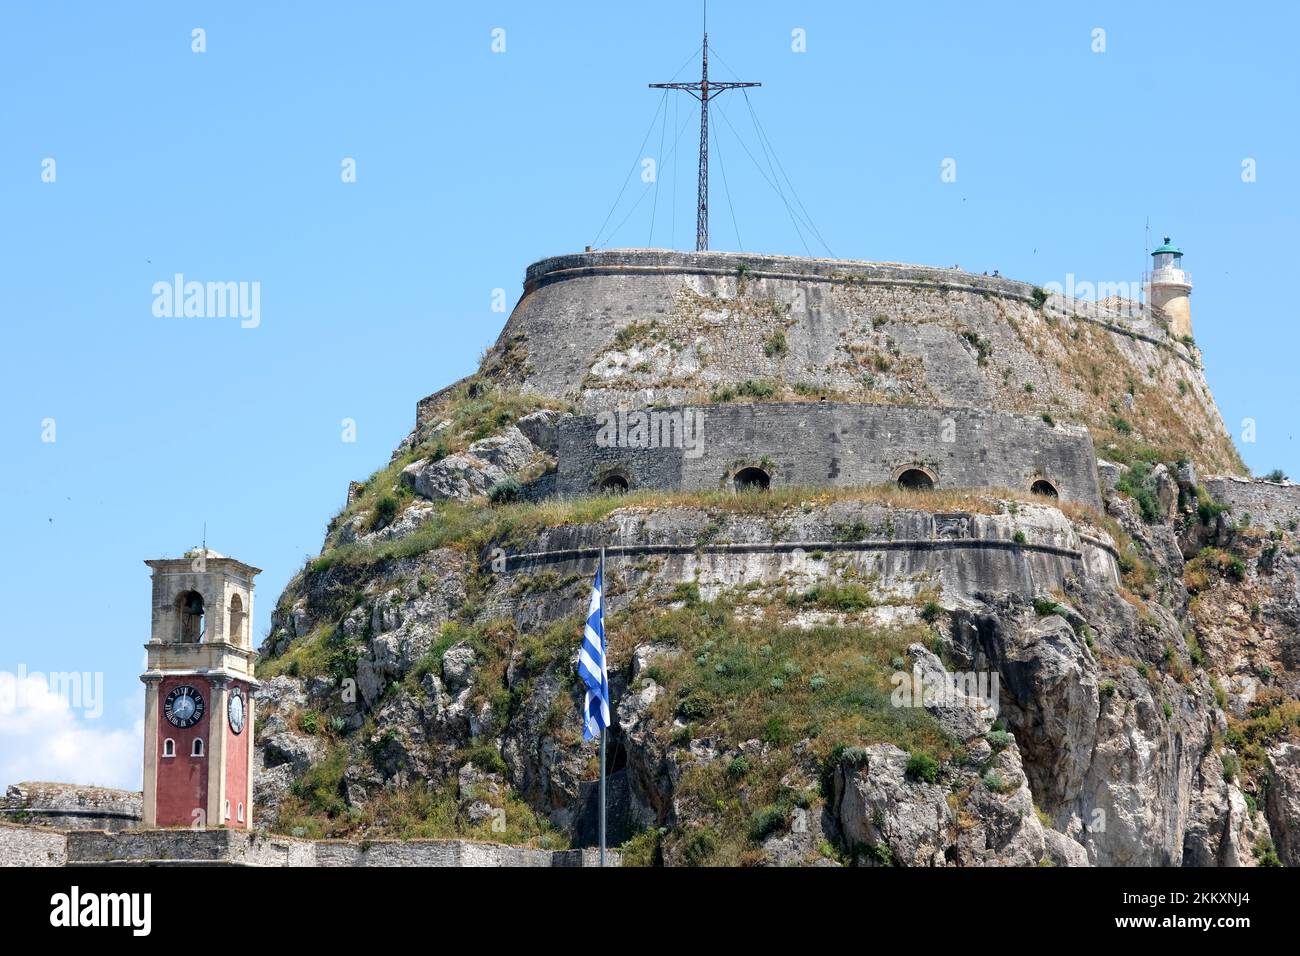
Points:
[[282, 693], [458, 667], [878, 806], [470, 473], [296, 750], [542, 429], [1283, 800]]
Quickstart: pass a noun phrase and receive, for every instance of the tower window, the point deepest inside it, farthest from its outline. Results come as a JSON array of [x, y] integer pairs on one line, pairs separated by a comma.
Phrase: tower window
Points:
[[197, 749], [236, 619], [914, 479], [752, 479], [226, 814], [190, 606], [240, 816], [169, 748], [1045, 488]]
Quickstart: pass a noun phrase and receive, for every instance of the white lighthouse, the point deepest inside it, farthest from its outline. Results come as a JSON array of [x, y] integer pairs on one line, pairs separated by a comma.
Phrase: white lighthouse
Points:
[[1170, 288]]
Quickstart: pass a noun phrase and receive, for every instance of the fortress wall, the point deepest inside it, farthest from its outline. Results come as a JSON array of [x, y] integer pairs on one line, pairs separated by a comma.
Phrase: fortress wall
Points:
[[826, 444], [32, 846], [386, 853], [70, 806], [899, 553], [1270, 504], [631, 328], [98, 846]]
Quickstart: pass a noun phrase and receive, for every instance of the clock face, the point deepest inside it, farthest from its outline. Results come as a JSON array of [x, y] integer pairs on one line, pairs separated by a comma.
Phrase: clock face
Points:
[[235, 711], [183, 707]]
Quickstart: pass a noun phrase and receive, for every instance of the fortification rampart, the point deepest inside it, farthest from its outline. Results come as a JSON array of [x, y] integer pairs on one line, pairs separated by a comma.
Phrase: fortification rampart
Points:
[[634, 328], [903, 552], [36, 846], [824, 444], [1269, 504], [70, 806]]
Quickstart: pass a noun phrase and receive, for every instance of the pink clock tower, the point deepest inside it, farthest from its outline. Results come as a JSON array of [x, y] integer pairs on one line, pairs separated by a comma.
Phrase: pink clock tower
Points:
[[198, 711]]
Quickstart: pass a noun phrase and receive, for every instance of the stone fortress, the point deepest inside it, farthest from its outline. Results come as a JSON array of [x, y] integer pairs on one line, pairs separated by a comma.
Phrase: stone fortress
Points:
[[712, 372]]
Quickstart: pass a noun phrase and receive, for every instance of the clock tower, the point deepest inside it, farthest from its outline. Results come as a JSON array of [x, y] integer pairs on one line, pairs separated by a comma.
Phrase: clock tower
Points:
[[198, 709]]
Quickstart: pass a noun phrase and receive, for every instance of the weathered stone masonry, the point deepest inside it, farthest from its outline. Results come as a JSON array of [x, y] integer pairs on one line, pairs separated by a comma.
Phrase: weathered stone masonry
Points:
[[1269, 504], [33, 846], [825, 444]]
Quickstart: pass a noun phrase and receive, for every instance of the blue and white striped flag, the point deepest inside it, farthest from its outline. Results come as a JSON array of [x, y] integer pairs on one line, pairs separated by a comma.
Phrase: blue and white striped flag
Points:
[[591, 664]]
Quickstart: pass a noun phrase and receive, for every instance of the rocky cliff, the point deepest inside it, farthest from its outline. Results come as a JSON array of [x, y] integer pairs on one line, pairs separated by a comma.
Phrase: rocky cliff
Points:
[[803, 675]]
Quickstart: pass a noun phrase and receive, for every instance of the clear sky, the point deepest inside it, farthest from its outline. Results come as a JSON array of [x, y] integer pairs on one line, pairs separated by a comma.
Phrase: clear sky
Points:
[[226, 165]]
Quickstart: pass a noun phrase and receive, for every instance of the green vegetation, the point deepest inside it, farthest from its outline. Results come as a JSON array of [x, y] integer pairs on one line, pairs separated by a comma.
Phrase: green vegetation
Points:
[[834, 596], [983, 347], [1197, 572], [1040, 297], [634, 333], [1270, 717], [1139, 483], [1207, 509], [775, 345], [742, 679], [995, 781], [1044, 607], [1277, 474], [505, 491], [921, 766], [386, 509], [999, 739], [315, 809], [750, 388], [323, 652], [1265, 853], [643, 849]]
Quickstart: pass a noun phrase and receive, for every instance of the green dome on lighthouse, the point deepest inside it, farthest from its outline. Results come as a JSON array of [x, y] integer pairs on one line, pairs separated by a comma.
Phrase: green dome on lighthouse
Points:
[[1168, 248]]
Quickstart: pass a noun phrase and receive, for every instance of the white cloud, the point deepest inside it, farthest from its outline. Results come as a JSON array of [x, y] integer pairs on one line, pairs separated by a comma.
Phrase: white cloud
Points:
[[42, 737]]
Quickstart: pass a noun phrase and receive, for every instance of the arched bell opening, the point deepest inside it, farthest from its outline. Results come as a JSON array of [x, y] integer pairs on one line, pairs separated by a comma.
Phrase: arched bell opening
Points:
[[190, 607]]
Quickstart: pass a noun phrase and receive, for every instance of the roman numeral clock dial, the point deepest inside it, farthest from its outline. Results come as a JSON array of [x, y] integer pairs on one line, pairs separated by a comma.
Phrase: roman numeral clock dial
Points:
[[235, 712], [183, 707]]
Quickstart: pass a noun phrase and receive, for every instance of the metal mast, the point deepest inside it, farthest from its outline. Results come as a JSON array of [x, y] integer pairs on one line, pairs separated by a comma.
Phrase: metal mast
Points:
[[703, 91]]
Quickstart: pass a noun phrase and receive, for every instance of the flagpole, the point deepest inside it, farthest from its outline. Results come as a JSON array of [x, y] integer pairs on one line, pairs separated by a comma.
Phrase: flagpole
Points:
[[604, 587]]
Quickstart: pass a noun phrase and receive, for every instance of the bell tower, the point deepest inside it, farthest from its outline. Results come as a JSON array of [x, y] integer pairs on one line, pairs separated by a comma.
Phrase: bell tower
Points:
[[1170, 287], [198, 710]]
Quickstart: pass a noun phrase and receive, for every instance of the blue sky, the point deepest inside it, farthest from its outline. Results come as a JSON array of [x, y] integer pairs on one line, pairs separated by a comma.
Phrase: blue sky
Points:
[[225, 166]]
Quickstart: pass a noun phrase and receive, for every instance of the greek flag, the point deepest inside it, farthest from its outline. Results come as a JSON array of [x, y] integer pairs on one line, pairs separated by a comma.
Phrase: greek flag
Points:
[[591, 664]]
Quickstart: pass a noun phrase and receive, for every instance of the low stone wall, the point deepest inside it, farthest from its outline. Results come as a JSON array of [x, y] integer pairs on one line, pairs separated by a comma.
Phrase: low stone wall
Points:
[[32, 846], [38, 846], [199, 847], [70, 806], [1270, 504], [444, 853], [824, 444]]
